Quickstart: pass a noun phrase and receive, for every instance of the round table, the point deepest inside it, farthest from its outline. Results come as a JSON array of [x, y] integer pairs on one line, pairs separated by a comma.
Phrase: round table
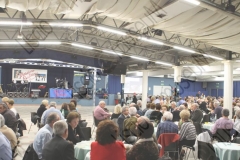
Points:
[[81, 149], [87, 157], [227, 151], [208, 126]]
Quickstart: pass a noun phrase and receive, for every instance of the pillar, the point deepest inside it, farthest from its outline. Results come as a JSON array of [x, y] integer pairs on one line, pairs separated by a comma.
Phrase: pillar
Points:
[[122, 89], [228, 86], [94, 87], [177, 80], [144, 88]]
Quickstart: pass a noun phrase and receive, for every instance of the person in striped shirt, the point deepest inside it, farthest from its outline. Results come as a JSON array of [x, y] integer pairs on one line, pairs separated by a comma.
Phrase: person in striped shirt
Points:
[[188, 131]]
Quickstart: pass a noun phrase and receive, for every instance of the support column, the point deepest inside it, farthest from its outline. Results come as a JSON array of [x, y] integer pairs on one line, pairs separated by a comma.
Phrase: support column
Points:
[[122, 89], [144, 88], [228, 86], [177, 80], [94, 87]]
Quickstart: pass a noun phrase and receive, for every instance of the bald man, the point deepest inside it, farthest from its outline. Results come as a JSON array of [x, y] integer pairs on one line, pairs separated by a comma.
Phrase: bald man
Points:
[[100, 113]]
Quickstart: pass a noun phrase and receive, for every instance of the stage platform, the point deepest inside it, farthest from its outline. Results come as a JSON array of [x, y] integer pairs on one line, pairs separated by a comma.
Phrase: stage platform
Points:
[[82, 102]]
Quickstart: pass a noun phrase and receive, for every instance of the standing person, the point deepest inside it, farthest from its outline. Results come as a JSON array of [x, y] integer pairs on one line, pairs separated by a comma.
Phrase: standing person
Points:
[[134, 99], [198, 94], [99, 112], [44, 135], [64, 149]]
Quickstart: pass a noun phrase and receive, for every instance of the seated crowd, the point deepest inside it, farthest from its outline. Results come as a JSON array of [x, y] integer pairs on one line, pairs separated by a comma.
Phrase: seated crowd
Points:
[[130, 133]]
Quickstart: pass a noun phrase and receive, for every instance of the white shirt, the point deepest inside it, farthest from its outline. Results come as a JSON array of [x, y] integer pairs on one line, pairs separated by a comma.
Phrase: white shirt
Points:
[[14, 111]]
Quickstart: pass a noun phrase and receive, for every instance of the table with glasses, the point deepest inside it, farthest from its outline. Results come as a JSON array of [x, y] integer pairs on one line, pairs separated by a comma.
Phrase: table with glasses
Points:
[[208, 126], [81, 149], [227, 151]]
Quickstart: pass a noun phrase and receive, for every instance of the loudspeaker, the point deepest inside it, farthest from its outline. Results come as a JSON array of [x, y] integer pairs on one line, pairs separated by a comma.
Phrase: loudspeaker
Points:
[[204, 84], [116, 69]]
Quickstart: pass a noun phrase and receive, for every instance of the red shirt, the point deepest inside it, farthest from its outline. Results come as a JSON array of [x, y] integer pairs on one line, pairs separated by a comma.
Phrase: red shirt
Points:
[[113, 151]]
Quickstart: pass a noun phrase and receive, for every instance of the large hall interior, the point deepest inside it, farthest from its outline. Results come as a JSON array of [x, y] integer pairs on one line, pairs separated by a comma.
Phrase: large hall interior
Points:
[[120, 79]]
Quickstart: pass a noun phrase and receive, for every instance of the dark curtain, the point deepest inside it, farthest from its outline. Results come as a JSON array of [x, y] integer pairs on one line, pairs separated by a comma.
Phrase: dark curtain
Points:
[[114, 84], [236, 91]]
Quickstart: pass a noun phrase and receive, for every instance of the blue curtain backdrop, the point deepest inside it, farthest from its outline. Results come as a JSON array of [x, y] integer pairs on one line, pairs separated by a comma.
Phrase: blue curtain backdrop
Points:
[[236, 89], [114, 84]]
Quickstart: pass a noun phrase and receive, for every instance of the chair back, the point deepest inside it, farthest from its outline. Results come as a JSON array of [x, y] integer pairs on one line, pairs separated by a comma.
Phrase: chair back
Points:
[[82, 123], [206, 118], [172, 147], [206, 151], [87, 133], [198, 127], [155, 115], [96, 122], [223, 135]]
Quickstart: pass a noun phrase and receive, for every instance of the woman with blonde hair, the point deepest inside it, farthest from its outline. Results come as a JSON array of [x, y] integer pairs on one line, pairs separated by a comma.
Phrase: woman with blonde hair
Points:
[[117, 112]]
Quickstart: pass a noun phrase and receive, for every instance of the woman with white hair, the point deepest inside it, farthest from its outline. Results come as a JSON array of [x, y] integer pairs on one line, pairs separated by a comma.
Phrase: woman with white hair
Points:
[[42, 108], [8, 132]]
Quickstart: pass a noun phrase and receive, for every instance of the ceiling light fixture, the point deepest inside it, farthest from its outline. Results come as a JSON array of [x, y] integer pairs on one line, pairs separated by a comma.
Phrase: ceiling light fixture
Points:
[[12, 43], [213, 57], [66, 24], [143, 59], [184, 49], [151, 40], [112, 30], [163, 63], [52, 43], [16, 23], [81, 46], [112, 52], [195, 2]]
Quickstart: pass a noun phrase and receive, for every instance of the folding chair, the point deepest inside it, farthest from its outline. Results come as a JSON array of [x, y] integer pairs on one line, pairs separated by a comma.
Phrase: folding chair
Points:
[[206, 151], [206, 118], [222, 135], [35, 119], [95, 123], [87, 133], [173, 147]]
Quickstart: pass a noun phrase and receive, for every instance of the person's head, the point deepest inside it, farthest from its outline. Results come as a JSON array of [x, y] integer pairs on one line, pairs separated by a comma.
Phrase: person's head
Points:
[[118, 109], [53, 104], [72, 107], [5, 100], [225, 112], [234, 104], [184, 115], [194, 106], [153, 98], [132, 104], [148, 105], [132, 111], [3, 107], [216, 104], [164, 108], [60, 128], [181, 107], [107, 132], [237, 114], [65, 106], [45, 102], [158, 107], [10, 103], [102, 104], [152, 105], [139, 103], [73, 119], [125, 110], [167, 116], [2, 121], [173, 105], [74, 102], [142, 118], [145, 129], [185, 105], [52, 118], [198, 92]]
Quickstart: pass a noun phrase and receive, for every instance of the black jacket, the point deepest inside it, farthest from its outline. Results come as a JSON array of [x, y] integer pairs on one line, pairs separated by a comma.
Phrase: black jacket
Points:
[[197, 116], [10, 119], [120, 121], [40, 110], [58, 149], [72, 134]]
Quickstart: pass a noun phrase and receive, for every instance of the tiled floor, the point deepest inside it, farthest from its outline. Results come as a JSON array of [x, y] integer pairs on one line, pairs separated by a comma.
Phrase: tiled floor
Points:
[[24, 111]]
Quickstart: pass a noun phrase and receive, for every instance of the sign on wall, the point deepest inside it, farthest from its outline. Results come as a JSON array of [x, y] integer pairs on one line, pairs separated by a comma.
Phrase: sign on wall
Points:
[[31, 75]]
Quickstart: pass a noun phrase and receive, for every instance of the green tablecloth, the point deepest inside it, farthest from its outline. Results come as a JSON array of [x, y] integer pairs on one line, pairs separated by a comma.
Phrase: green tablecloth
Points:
[[81, 149], [227, 151], [208, 126]]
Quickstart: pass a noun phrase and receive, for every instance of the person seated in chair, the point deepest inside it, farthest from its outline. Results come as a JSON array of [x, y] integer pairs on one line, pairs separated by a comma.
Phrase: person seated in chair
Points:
[[75, 133], [117, 111], [121, 118], [129, 124], [152, 108], [42, 108], [99, 112], [197, 114], [222, 123], [44, 135], [8, 132], [9, 116], [5, 151], [236, 126], [11, 107]]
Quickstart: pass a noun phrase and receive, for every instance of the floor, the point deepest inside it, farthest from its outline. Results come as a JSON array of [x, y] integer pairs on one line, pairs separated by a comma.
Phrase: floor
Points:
[[26, 139]]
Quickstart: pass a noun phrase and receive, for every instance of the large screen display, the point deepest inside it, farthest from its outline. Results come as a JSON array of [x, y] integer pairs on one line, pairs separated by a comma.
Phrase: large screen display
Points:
[[133, 85]]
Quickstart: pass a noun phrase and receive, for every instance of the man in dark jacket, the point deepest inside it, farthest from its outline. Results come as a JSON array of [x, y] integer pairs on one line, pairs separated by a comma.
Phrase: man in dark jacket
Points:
[[9, 116], [58, 148], [197, 114], [121, 118]]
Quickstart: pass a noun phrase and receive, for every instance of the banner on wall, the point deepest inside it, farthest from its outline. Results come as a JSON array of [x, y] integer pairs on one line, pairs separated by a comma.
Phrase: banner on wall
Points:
[[30, 75]]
